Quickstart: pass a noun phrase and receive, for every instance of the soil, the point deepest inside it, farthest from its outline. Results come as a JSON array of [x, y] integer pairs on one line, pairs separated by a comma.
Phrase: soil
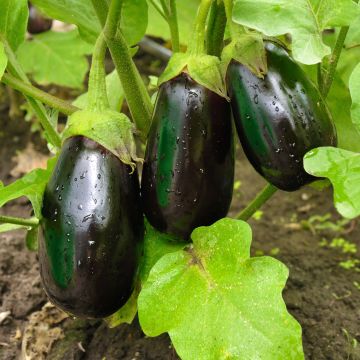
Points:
[[322, 295]]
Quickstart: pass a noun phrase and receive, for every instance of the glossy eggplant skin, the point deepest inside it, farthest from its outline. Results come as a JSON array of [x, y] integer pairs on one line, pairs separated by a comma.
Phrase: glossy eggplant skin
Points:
[[93, 228], [37, 23], [279, 118], [188, 173]]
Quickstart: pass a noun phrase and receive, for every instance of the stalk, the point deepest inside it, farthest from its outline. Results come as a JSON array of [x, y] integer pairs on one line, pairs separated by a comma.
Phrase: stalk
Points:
[[216, 28], [261, 198], [98, 100], [16, 70], [197, 45], [38, 94], [19, 221]]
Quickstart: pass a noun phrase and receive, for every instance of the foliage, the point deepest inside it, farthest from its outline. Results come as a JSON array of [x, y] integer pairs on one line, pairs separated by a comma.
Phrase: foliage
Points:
[[213, 299], [187, 291]]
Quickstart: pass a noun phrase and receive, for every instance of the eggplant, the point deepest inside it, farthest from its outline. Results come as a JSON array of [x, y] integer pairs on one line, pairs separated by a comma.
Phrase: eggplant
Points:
[[188, 173], [37, 23], [92, 230], [279, 118]]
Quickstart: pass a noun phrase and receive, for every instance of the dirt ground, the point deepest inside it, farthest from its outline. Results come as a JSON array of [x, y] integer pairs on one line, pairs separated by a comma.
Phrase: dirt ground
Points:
[[321, 293]]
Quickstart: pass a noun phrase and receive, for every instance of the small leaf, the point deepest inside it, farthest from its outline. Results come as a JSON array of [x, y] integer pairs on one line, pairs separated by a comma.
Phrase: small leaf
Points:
[[3, 60], [248, 49], [11, 227], [354, 86], [57, 58], [13, 21], [115, 93], [127, 313], [342, 168], [32, 185], [31, 240], [305, 20], [218, 303]]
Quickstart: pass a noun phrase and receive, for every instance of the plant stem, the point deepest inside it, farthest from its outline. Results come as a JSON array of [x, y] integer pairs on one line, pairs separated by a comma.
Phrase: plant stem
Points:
[[216, 28], [19, 221], [38, 94], [15, 69], [158, 8], [174, 26], [98, 100], [197, 45], [334, 59], [135, 91], [260, 199]]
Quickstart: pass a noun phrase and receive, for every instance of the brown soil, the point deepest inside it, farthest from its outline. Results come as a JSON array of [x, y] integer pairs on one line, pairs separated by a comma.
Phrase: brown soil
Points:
[[321, 294]]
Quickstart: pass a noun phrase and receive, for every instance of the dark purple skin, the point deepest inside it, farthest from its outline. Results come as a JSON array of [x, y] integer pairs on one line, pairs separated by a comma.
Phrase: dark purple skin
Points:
[[37, 23], [188, 173], [93, 230], [279, 118]]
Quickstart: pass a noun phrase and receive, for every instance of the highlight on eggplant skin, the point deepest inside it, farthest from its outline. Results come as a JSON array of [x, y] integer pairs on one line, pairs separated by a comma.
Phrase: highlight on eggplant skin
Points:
[[279, 118], [92, 230], [188, 173]]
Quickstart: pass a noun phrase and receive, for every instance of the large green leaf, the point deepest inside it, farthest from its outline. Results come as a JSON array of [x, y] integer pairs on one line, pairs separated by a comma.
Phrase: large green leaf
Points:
[[114, 90], [56, 57], [32, 185], [82, 14], [218, 303], [305, 20], [186, 10], [3, 59], [13, 21], [342, 168]]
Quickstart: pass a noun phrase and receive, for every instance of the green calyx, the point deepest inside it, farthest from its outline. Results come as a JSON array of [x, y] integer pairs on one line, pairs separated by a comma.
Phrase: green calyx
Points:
[[248, 49], [204, 69], [109, 128]]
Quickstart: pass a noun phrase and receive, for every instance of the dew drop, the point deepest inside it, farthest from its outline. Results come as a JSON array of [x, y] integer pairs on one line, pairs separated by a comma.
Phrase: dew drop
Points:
[[59, 197], [80, 207]]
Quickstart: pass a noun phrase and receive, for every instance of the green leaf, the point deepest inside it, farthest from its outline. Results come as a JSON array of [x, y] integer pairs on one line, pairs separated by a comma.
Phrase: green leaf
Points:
[[11, 227], [156, 245], [248, 49], [56, 57], [303, 19], [218, 303], [186, 11], [354, 85], [115, 93], [32, 185], [31, 239], [176, 65], [342, 168], [3, 60], [13, 21], [339, 102], [82, 14]]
